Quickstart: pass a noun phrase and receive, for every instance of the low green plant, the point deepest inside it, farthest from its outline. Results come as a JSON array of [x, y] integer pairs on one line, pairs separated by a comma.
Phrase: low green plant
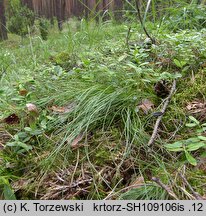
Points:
[[191, 144], [87, 86], [186, 16], [19, 146], [7, 191], [44, 28], [179, 63]]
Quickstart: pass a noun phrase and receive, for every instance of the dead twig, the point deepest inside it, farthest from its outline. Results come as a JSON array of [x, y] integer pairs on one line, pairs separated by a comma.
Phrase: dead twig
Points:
[[196, 195], [142, 23], [154, 134], [165, 187], [128, 37]]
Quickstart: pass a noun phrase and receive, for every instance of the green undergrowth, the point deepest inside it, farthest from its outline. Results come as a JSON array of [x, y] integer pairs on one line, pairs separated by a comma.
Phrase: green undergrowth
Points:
[[87, 135]]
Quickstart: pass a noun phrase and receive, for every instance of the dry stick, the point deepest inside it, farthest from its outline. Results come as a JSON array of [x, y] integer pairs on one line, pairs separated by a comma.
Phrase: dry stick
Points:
[[195, 194], [154, 134], [142, 24], [128, 36], [165, 187]]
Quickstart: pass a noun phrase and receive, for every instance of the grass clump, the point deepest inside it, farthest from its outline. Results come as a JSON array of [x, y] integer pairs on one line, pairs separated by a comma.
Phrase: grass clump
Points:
[[86, 137]]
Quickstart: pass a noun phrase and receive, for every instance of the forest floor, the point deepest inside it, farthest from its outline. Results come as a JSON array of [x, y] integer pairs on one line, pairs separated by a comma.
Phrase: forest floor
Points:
[[77, 112]]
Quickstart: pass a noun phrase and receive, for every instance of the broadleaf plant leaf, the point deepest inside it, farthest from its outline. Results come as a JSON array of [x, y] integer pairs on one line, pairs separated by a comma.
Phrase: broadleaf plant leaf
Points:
[[190, 158], [177, 146], [203, 138], [194, 120], [195, 146]]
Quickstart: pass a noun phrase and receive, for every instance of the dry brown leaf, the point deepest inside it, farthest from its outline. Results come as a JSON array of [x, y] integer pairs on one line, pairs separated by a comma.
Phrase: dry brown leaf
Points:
[[196, 107], [63, 109], [76, 142], [57, 109], [23, 92], [146, 105], [12, 119]]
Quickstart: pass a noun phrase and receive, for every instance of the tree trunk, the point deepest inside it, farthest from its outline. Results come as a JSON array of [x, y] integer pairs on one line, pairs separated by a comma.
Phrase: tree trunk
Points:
[[28, 3], [3, 31], [60, 7], [118, 7]]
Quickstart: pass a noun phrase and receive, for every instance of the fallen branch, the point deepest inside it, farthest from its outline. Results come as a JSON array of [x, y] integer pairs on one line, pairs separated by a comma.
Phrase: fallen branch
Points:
[[154, 134], [165, 187], [195, 194]]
